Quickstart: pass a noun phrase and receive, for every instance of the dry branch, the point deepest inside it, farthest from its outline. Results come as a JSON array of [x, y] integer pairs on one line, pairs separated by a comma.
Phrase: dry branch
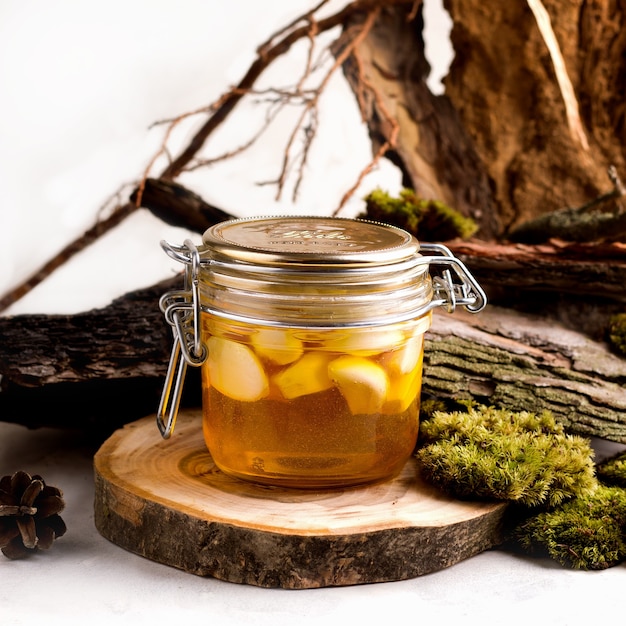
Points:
[[601, 219], [119, 214], [178, 206], [278, 44], [169, 201], [268, 52]]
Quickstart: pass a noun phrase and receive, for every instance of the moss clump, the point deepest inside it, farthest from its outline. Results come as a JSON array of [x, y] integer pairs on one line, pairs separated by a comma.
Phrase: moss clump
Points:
[[429, 220], [496, 454], [562, 506], [612, 471], [617, 332], [585, 533]]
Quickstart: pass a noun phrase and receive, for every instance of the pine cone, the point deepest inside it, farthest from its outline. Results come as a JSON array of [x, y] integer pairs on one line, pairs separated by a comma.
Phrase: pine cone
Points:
[[29, 514]]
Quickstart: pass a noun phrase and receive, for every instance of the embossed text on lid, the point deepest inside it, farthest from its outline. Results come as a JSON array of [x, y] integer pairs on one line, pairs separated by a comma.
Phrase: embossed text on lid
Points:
[[311, 239]]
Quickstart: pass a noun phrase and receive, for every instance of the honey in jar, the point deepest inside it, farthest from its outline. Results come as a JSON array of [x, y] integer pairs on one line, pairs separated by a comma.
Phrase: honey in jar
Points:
[[296, 407]]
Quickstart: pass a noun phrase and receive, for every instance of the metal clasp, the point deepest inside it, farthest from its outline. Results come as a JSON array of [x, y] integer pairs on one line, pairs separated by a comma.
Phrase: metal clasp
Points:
[[464, 291], [182, 310]]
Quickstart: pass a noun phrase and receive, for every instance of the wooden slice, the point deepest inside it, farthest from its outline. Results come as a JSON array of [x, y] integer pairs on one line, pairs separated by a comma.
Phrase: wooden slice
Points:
[[167, 501]]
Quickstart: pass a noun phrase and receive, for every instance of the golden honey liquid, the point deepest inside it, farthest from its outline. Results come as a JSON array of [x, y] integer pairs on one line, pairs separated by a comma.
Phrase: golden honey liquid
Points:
[[311, 408]]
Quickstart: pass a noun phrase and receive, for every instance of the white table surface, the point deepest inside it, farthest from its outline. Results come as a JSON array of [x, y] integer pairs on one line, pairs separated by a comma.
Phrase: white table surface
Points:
[[84, 577]]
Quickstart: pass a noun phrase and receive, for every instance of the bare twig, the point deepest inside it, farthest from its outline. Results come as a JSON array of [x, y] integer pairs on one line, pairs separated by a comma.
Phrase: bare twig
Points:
[[269, 118], [308, 119], [267, 53], [119, 214], [264, 47], [306, 26]]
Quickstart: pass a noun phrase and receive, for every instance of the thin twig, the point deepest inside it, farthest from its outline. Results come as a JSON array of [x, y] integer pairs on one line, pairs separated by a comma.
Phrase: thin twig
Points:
[[308, 119], [198, 163], [269, 52], [78, 245], [262, 49]]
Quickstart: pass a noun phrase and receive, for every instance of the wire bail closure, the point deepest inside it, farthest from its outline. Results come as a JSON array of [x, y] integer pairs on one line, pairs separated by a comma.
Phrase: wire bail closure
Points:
[[449, 293], [182, 310]]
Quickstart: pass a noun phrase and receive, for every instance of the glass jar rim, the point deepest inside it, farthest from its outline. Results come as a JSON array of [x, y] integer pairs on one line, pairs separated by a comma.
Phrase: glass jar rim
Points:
[[312, 271]]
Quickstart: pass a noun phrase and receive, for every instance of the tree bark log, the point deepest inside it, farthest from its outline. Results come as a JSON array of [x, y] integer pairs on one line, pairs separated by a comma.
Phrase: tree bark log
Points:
[[597, 270], [504, 86], [522, 362], [433, 150], [498, 145], [104, 368], [578, 285], [94, 371]]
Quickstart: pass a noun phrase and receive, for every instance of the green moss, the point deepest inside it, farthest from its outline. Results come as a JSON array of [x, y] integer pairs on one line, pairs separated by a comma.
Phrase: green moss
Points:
[[561, 505], [617, 332], [585, 533], [496, 454], [612, 471], [428, 220]]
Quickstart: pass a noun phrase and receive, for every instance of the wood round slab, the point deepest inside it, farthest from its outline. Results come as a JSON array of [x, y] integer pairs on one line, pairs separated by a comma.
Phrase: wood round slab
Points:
[[167, 501]]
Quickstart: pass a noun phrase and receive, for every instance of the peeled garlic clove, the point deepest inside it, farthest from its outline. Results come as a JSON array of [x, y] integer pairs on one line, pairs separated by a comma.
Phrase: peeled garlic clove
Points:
[[362, 383], [402, 392], [306, 376], [365, 343], [405, 359], [276, 345], [235, 370]]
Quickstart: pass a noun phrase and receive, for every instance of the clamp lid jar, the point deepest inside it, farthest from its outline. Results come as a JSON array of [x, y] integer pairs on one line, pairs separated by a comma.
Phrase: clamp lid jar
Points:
[[309, 332]]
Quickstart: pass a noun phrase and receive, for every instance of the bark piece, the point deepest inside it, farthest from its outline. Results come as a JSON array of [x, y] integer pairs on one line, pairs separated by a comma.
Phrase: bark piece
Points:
[[178, 206], [528, 363], [94, 370], [127, 338], [166, 500], [106, 367], [594, 269], [504, 87]]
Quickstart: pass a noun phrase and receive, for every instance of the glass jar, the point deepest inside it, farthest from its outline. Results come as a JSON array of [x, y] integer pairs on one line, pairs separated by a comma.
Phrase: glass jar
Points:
[[310, 335]]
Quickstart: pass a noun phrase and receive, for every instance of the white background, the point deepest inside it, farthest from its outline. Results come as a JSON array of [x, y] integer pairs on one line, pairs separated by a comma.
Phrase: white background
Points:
[[82, 84]]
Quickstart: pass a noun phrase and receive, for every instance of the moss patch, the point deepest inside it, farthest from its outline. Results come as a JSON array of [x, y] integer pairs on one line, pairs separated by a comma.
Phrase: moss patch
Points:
[[562, 506], [617, 332], [428, 220], [585, 533], [496, 454]]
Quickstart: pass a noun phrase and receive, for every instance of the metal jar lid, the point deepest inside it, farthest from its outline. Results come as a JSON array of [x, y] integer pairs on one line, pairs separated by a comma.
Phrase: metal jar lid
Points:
[[312, 272], [311, 241]]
